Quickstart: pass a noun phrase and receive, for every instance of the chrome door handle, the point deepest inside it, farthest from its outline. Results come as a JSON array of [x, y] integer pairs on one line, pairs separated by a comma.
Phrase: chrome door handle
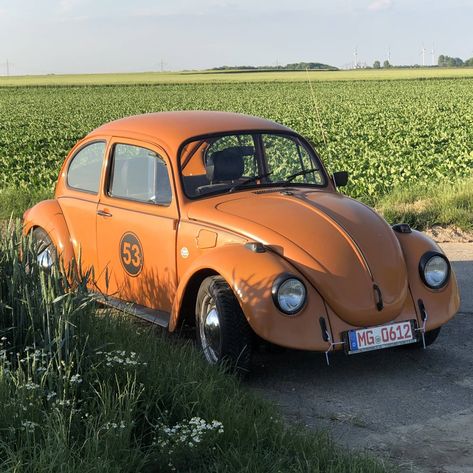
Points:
[[102, 213]]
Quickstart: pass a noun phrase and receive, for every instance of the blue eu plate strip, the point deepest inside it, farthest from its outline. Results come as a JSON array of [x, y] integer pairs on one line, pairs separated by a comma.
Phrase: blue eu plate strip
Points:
[[353, 341]]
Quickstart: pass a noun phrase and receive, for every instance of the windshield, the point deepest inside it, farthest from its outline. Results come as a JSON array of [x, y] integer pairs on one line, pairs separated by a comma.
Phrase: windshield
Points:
[[233, 162]]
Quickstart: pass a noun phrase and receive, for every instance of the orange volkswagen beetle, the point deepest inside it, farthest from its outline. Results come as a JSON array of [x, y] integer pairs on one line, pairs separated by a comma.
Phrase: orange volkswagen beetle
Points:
[[231, 223]]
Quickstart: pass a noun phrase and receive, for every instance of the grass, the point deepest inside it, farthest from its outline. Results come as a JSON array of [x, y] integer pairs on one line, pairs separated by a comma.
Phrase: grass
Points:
[[84, 390], [14, 201], [233, 76], [422, 207]]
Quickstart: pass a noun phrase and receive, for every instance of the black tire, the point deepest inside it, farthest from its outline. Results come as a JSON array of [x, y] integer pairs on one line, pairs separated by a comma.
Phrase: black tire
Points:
[[45, 249], [230, 343]]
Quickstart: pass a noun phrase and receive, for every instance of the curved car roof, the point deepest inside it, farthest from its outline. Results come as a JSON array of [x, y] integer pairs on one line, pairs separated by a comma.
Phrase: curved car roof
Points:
[[173, 128]]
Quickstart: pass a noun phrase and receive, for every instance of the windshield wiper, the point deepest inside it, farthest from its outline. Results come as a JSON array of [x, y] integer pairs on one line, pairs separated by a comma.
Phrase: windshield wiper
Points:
[[300, 173], [249, 181]]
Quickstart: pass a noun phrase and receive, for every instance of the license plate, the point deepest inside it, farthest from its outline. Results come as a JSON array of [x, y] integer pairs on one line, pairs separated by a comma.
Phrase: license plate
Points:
[[383, 336]]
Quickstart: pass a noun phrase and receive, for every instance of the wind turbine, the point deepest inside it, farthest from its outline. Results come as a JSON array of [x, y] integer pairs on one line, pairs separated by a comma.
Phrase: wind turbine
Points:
[[355, 54], [8, 66], [423, 51], [433, 55]]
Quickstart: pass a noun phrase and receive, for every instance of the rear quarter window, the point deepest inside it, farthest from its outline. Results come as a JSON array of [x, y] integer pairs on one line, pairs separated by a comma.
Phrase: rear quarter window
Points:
[[86, 167]]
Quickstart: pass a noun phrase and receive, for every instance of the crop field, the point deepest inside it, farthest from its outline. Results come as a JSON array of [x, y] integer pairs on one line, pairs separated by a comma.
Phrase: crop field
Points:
[[386, 133], [134, 78]]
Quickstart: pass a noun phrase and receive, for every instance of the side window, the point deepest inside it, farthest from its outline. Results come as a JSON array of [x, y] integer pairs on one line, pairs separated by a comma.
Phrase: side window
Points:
[[139, 174], [85, 168]]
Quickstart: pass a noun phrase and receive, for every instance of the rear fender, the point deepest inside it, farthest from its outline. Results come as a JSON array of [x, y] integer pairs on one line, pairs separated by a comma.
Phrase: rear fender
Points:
[[48, 215], [251, 276]]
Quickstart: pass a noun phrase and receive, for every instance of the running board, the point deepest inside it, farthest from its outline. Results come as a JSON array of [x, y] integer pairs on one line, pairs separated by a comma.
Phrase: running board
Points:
[[154, 316]]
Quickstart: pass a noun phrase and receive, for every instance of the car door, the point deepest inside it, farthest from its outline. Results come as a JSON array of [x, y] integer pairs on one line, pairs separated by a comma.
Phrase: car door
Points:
[[79, 203], [137, 218]]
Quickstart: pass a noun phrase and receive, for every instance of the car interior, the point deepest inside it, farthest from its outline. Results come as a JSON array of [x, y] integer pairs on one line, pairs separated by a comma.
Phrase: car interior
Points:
[[210, 166]]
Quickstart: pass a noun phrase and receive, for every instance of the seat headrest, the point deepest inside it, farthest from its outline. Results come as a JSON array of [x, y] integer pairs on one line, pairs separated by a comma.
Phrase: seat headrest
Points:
[[227, 164]]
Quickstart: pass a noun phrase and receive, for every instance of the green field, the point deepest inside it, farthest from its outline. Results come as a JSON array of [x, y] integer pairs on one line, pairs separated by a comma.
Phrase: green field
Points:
[[235, 76], [387, 133]]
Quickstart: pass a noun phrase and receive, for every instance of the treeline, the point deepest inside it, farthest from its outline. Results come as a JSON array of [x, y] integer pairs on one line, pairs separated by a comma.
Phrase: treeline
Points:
[[296, 66], [447, 61]]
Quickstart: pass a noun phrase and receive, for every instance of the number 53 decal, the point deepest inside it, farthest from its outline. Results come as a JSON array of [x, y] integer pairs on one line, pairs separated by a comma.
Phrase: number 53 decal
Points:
[[131, 254]]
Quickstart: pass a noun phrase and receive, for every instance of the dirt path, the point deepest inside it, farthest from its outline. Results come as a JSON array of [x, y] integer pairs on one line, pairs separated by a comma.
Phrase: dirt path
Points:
[[412, 406]]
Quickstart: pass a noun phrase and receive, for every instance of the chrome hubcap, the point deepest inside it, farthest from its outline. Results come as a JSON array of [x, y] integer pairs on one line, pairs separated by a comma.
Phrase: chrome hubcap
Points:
[[45, 259], [210, 333]]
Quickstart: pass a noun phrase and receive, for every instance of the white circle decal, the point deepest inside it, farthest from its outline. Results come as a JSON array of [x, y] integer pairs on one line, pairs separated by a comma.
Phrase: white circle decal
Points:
[[184, 252]]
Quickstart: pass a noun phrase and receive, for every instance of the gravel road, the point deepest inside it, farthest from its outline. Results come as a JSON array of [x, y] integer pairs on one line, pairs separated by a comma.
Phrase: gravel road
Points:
[[413, 407]]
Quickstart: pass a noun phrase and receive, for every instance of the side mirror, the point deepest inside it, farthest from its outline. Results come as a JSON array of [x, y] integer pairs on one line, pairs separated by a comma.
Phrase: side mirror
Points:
[[340, 178]]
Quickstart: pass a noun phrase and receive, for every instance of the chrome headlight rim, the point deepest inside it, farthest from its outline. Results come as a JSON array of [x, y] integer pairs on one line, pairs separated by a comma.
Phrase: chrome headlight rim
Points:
[[426, 257], [278, 282]]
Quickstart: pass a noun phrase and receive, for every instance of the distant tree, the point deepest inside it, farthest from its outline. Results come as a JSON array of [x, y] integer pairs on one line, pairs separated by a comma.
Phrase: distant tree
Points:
[[376, 65], [447, 61], [386, 64], [469, 62], [302, 66], [297, 66], [457, 62]]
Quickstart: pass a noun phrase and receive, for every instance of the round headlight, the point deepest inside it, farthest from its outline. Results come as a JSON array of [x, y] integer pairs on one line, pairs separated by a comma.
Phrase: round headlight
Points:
[[434, 270], [289, 294]]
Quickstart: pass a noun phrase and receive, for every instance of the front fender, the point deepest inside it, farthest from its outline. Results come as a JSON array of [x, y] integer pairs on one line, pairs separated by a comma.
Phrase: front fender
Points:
[[442, 304], [251, 276], [48, 215]]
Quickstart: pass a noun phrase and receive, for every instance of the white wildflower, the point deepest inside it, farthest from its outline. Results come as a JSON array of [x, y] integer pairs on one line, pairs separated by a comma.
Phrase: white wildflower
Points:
[[31, 386], [76, 379], [29, 426], [63, 402]]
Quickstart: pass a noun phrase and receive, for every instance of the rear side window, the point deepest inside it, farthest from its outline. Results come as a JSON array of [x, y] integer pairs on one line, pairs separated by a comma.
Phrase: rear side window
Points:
[[139, 174], [86, 167]]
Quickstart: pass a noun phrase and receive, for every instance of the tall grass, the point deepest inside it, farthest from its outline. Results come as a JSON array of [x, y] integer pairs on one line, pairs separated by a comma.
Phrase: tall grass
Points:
[[422, 207], [85, 390], [14, 201]]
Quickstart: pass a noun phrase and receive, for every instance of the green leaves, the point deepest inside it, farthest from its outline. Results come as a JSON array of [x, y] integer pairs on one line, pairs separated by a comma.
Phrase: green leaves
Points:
[[385, 133]]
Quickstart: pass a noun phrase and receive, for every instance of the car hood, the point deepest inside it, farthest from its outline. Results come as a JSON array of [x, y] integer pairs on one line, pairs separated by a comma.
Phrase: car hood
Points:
[[347, 251]]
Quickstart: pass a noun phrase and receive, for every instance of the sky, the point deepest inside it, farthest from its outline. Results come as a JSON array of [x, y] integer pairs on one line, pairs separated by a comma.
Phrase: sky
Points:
[[87, 36]]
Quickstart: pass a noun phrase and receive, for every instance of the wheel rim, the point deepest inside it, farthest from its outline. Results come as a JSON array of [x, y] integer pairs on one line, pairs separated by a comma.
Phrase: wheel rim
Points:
[[210, 331], [45, 258]]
